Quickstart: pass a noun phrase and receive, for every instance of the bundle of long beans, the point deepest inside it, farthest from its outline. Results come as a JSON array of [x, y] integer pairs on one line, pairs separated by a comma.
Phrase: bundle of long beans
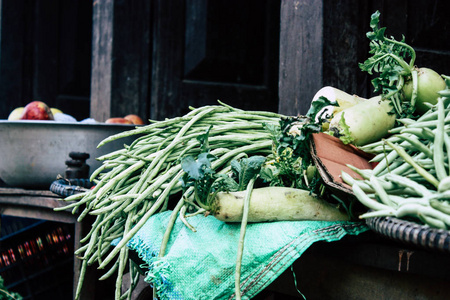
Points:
[[142, 179], [412, 178]]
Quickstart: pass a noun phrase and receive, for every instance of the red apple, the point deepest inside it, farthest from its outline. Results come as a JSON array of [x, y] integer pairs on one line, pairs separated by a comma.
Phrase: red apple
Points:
[[118, 121], [15, 114], [135, 119], [37, 110]]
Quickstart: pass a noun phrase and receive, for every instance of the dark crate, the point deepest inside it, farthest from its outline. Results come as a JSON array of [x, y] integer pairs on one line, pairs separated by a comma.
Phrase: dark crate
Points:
[[36, 260]]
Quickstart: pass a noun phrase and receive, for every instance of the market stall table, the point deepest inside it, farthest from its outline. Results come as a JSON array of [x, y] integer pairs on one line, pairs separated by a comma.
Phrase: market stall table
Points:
[[364, 264], [368, 267], [357, 267]]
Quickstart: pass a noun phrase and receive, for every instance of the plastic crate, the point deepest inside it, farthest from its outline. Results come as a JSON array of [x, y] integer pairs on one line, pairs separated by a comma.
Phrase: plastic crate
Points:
[[36, 260]]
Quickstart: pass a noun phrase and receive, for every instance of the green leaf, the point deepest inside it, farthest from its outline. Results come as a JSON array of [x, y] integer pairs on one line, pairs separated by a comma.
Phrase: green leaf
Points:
[[236, 167], [374, 20], [391, 62], [205, 181], [203, 140], [225, 183], [246, 169], [318, 105], [344, 131], [197, 168], [267, 173], [292, 146], [7, 295], [198, 174]]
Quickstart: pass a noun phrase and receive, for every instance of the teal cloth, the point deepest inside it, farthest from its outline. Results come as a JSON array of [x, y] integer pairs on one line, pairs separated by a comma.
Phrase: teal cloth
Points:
[[201, 264]]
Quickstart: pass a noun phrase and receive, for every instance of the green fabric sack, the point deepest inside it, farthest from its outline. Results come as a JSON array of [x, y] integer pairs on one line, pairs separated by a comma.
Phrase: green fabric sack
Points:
[[201, 265]]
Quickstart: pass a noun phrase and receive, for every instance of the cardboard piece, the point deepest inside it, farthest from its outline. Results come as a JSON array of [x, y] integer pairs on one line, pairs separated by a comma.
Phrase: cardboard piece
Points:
[[331, 157]]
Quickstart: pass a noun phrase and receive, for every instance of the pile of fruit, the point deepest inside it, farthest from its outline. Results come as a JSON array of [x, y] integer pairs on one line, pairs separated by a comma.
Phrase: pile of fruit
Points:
[[38, 110]]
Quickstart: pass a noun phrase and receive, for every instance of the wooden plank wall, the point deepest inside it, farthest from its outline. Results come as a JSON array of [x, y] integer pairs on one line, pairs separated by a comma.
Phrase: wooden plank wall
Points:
[[45, 54], [167, 59], [323, 42], [102, 56], [120, 59], [301, 58], [131, 59]]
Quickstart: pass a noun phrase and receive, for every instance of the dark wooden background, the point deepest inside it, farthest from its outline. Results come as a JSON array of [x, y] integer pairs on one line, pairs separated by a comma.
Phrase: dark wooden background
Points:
[[109, 58], [45, 54]]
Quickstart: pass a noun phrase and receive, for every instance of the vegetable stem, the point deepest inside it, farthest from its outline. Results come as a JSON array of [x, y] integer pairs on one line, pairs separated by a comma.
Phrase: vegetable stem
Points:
[[414, 79], [170, 224], [237, 276], [438, 153], [410, 49]]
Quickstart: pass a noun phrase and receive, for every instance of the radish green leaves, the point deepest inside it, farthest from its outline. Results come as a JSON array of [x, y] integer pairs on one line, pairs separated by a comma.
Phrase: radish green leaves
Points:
[[410, 89], [393, 61]]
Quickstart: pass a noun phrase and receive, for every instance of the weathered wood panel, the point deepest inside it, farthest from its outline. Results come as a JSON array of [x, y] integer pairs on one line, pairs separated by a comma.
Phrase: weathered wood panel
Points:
[[312, 57], [231, 54], [344, 31], [248, 97], [204, 51], [13, 92], [300, 58], [102, 56], [120, 59], [45, 51], [74, 58], [131, 59], [45, 54], [167, 59], [140, 56]]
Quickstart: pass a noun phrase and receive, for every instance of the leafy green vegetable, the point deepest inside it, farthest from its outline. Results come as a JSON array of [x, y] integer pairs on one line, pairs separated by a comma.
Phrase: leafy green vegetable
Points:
[[199, 174], [5, 294], [207, 183], [394, 62], [198, 168], [292, 146], [247, 168], [344, 133], [316, 111], [203, 140]]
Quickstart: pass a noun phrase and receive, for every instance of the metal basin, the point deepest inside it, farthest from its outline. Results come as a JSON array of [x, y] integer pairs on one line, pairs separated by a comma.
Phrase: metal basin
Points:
[[33, 153]]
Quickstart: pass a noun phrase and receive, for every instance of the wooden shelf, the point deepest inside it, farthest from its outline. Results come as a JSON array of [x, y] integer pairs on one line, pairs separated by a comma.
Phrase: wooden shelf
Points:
[[36, 204]]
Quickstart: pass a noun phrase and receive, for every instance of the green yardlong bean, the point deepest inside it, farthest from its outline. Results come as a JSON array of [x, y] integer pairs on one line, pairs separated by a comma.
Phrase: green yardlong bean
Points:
[[138, 181], [415, 161]]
